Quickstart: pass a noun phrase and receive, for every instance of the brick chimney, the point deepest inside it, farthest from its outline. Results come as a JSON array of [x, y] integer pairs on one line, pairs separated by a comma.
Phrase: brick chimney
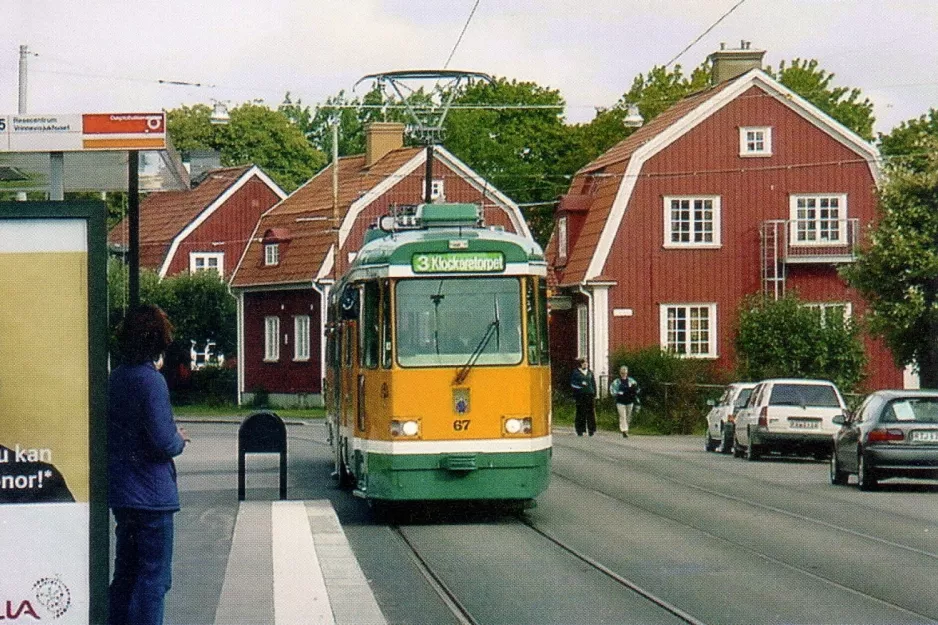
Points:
[[381, 138], [731, 63]]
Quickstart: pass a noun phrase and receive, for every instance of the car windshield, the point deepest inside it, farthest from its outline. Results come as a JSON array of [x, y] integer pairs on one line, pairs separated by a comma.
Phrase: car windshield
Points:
[[743, 396], [441, 323], [911, 410], [817, 395]]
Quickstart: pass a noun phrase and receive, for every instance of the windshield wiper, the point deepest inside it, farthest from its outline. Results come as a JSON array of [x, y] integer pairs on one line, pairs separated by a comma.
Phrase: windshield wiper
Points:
[[464, 372]]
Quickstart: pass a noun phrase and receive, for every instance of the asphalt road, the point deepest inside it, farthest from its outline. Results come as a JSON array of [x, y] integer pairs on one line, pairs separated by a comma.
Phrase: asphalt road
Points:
[[719, 539]]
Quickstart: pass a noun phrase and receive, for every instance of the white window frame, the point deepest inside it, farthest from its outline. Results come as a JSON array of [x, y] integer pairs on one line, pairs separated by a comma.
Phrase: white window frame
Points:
[[437, 189], [301, 337], [689, 310], [205, 258], [582, 331], [825, 306], [271, 339], [802, 229], [691, 199], [562, 238], [749, 146], [271, 254]]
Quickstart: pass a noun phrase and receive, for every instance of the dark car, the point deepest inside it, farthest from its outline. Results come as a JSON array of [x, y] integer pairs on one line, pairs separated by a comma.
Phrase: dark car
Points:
[[892, 434]]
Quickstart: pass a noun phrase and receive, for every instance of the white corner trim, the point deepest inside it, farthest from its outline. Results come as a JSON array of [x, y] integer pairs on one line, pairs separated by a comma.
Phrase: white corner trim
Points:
[[327, 263], [210, 210], [690, 120], [483, 186], [240, 335], [376, 192]]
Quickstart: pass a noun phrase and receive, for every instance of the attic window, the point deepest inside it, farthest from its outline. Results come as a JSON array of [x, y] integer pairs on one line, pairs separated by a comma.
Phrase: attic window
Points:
[[562, 238], [271, 254], [755, 141], [437, 189]]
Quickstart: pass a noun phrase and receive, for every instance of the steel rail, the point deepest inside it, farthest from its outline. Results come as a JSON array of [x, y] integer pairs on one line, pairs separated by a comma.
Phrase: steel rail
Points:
[[743, 547], [768, 508], [462, 615], [658, 601]]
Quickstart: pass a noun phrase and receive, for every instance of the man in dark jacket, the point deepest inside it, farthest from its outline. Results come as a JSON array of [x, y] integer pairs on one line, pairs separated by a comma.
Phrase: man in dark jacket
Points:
[[583, 385]]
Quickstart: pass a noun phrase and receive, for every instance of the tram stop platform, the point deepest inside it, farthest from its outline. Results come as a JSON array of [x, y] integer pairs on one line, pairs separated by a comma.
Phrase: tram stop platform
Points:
[[291, 563]]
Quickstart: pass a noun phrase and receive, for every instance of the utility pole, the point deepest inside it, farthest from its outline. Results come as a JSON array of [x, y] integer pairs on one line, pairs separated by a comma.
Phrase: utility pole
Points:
[[21, 109], [335, 196]]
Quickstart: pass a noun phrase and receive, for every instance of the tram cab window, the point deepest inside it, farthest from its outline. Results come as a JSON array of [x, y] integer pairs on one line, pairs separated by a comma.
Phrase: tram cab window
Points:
[[530, 306], [369, 329], [386, 324], [542, 329], [442, 322]]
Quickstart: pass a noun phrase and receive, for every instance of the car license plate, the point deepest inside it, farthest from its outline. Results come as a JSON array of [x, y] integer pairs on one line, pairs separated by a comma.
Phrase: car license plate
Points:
[[804, 424], [925, 436]]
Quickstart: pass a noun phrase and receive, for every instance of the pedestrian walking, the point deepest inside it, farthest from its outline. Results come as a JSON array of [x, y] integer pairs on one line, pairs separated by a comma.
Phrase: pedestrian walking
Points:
[[583, 384], [625, 391], [143, 439]]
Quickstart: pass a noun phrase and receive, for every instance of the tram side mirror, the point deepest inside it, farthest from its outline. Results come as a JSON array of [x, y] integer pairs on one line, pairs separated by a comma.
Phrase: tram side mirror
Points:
[[350, 303]]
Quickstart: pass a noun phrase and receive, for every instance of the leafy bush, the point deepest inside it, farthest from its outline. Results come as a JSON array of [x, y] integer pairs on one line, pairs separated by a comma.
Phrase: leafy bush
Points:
[[785, 338], [674, 390]]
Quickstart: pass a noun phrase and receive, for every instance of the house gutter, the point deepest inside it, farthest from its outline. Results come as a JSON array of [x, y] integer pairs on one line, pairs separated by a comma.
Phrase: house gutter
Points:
[[323, 287]]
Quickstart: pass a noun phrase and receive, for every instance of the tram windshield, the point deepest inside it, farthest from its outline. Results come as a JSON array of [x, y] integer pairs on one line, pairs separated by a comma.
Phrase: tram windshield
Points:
[[443, 322]]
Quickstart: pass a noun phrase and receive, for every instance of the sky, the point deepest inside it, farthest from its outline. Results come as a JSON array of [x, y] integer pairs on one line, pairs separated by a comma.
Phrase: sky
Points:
[[109, 56]]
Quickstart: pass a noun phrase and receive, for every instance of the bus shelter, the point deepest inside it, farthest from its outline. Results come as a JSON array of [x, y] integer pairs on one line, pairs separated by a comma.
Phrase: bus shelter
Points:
[[53, 350]]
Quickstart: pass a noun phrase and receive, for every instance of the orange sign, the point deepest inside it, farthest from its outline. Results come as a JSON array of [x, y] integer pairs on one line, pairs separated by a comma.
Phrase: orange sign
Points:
[[123, 123]]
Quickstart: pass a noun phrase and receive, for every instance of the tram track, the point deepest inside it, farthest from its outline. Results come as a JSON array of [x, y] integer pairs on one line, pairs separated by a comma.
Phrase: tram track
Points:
[[744, 547], [464, 617], [758, 505]]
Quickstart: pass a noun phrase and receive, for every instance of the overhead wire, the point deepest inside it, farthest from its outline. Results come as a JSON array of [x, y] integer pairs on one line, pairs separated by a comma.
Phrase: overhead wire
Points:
[[704, 33], [459, 40]]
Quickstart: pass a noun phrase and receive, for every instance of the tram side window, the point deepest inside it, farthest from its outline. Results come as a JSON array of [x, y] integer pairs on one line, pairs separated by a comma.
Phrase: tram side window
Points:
[[386, 325], [530, 304], [543, 331], [369, 326]]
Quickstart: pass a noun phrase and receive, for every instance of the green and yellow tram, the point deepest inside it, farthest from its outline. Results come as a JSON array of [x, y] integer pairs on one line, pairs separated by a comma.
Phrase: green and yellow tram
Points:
[[438, 381]]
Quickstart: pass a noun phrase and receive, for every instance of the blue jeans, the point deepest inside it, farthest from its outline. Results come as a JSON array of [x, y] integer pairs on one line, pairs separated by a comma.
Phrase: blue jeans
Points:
[[142, 567]]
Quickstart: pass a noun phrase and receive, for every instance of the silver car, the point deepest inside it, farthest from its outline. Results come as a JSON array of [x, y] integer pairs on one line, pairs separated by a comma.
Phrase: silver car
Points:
[[892, 434], [720, 419]]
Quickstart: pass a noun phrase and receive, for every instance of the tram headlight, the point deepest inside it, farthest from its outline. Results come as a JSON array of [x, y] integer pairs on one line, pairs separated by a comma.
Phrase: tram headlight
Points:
[[517, 425], [405, 427]]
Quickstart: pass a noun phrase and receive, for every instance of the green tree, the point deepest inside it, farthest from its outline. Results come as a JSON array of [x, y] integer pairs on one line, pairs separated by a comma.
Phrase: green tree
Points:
[[255, 134], [846, 105], [897, 272], [784, 338], [910, 143], [198, 305], [520, 151]]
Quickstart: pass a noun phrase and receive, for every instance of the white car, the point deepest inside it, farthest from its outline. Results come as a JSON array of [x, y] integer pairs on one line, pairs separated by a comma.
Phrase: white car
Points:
[[789, 416], [721, 417]]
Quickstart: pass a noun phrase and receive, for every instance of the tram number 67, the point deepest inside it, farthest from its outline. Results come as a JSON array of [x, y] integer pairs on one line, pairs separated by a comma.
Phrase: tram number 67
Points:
[[461, 424]]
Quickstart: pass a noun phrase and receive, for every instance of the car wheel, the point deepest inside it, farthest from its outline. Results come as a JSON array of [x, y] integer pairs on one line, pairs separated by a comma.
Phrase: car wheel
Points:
[[737, 449], [753, 453], [838, 475], [727, 445], [711, 445], [866, 475]]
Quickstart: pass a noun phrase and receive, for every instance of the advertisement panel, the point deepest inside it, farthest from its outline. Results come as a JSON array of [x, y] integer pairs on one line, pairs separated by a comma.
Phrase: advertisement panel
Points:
[[46, 403]]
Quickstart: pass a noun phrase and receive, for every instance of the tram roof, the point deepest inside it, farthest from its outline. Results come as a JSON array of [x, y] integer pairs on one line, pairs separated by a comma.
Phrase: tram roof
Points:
[[398, 247]]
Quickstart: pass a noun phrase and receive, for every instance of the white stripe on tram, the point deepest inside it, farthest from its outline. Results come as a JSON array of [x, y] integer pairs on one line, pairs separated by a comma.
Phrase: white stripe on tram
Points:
[[497, 445]]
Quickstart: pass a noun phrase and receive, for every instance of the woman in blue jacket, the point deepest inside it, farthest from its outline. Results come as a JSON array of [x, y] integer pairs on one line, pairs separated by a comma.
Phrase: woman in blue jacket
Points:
[[143, 439]]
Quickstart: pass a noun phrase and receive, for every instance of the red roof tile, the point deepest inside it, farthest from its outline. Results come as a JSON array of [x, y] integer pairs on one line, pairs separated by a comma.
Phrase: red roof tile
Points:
[[165, 214], [307, 215]]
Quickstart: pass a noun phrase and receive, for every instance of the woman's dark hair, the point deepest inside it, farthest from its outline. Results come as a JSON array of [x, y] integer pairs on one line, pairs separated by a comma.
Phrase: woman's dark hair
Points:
[[144, 334]]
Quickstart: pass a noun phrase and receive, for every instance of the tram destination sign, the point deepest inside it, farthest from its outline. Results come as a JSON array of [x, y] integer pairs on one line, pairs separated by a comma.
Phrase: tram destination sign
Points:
[[458, 262]]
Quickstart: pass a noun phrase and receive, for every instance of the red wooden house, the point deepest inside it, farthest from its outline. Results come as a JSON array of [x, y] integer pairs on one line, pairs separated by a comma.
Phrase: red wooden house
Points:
[[283, 280], [742, 188], [203, 228]]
